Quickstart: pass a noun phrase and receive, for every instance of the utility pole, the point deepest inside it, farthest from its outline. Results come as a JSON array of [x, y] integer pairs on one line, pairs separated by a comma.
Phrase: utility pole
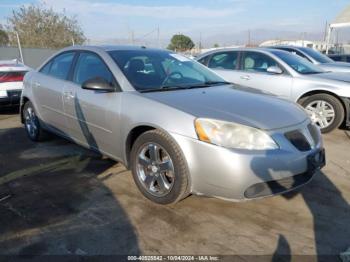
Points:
[[20, 48], [158, 36], [132, 37], [248, 37], [200, 41], [325, 32]]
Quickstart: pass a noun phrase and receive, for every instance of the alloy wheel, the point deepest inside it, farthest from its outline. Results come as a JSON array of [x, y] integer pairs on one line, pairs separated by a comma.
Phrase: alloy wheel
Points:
[[321, 113], [31, 122], [155, 169]]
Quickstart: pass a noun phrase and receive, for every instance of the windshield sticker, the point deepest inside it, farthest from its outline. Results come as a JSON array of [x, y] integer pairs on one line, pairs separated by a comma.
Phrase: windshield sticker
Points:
[[181, 58]]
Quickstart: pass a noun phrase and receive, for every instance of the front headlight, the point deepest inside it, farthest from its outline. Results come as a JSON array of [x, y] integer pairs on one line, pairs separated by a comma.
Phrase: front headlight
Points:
[[233, 135]]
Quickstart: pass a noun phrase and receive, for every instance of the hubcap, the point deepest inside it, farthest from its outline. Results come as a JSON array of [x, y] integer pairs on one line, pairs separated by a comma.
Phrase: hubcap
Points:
[[321, 113], [155, 169], [30, 122]]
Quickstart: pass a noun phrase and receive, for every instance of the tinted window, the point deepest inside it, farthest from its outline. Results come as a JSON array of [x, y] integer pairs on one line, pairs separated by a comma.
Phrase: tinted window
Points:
[[225, 60], [257, 62], [204, 60], [61, 65], [348, 59], [296, 52], [153, 69], [337, 58], [297, 63], [91, 66], [46, 68], [319, 57]]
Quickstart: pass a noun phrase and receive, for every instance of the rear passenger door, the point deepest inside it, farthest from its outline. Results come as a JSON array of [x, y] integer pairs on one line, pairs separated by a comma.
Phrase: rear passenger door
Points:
[[48, 87], [253, 73], [225, 64], [91, 115]]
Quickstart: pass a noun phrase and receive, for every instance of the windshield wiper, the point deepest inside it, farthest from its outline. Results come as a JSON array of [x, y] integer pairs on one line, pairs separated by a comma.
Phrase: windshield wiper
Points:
[[163, 89], [175, 87], [313, 73], [208, 84]]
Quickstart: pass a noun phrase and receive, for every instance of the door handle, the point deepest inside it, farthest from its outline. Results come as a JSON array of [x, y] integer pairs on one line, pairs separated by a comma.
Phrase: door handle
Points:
[[68, 95], [36, 84], [246, 77]]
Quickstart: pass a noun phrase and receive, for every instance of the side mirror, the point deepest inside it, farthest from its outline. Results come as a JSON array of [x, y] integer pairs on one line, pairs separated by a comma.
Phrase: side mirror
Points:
[[98, 84], [274, 70]]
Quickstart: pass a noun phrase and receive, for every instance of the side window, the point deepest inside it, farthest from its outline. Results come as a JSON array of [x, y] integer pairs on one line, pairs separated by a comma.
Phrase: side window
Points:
[[61, 65], [91, 66], [257, 62], [337, 58], [347, 59], [302, 55], [225, 60], [46, 69], [204, 60], [298, 53]]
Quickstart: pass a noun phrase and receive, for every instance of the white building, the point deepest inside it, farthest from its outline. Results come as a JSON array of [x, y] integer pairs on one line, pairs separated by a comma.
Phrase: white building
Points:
[[318, 45]]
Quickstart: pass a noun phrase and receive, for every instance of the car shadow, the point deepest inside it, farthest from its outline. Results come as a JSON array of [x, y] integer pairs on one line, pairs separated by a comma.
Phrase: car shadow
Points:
[[330, 213], [54, 201], [13, 110]]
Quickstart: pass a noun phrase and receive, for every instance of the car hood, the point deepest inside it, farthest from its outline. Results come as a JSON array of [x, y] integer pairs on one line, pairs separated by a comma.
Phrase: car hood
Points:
[[338, 76], [336, 67], [230, 104]]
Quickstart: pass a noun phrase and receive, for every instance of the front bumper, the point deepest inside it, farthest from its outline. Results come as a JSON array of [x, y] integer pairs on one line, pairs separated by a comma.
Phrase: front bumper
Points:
[[12, 99], [243, 174]]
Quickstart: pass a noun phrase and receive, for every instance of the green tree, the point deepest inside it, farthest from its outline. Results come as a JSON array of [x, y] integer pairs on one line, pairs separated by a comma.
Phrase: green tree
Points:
[[180, 42], [216, 45], [39, 26], [4, 38]]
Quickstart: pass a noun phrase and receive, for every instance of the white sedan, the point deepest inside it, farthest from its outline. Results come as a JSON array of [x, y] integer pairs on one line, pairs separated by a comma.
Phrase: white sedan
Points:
[[11, 82]]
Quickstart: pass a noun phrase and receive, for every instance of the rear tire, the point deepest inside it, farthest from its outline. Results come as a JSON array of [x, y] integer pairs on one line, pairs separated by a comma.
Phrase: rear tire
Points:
[[32, 125], [324, 110], [163, 178]]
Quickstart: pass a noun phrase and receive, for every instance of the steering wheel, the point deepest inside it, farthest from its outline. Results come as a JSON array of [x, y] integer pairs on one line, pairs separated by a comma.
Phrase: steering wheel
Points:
[[171, 75]]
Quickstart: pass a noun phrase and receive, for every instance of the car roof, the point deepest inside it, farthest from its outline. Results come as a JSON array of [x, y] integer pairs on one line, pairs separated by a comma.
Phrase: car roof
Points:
[[300, 48], [255, 49], [108, 48]]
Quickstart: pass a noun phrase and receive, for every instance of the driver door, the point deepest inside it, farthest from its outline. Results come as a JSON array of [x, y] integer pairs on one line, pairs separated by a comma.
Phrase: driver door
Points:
[[91, 115]]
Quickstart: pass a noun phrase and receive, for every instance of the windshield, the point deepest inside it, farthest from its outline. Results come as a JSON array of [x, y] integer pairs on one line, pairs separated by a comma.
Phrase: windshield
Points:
[[153, 70], [319, 57], [297, 63]]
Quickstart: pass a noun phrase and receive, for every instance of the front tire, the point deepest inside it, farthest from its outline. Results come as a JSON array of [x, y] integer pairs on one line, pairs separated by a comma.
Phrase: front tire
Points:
[[325, 110], [159, 168], [32, 124]]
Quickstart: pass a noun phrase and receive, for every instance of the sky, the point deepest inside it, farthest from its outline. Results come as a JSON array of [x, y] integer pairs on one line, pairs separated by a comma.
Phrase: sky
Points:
[[212, 21]]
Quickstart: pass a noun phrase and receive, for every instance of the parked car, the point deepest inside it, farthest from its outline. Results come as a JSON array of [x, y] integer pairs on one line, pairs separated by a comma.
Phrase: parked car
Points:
[[340, 58], [316, 58], [11, 82], [324, 95], [178, 126]]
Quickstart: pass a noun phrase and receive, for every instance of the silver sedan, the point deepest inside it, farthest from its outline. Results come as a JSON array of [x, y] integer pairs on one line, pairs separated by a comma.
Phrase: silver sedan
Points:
[[178, 126], [324, 95], [317, 58]]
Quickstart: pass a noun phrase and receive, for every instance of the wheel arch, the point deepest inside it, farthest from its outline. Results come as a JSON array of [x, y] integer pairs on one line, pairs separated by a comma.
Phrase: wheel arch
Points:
[[133, 134], [24, 100], [322, 91]]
